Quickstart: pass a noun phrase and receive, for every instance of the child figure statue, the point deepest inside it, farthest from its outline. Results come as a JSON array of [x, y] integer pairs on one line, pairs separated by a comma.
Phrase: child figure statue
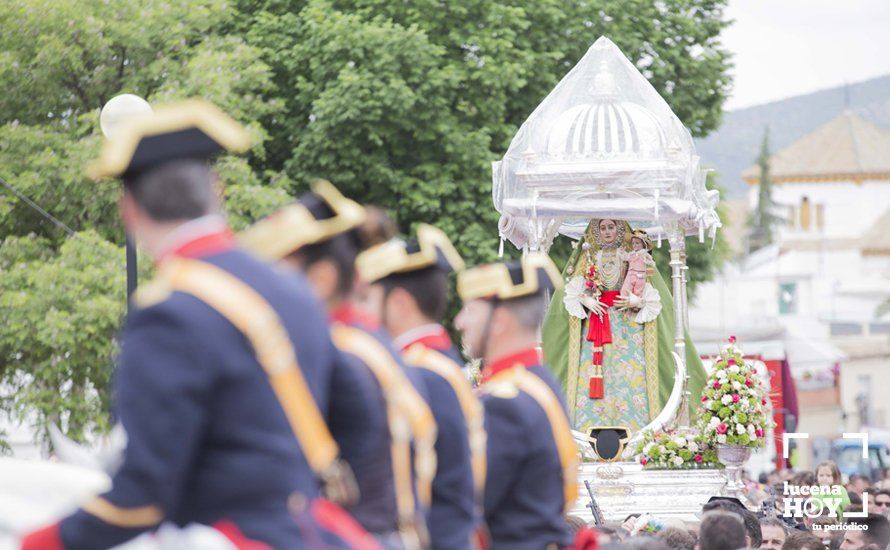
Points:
[[638, 261]]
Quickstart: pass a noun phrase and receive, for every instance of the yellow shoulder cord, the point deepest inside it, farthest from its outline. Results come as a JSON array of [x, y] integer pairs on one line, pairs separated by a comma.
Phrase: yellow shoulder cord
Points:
[[430, 359], [253, 316], [409, 418], [543, 395]]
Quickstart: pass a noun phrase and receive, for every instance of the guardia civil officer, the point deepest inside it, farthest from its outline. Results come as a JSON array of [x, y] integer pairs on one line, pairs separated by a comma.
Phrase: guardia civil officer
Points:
[[532, 461], [318, 236], [209, 440], [408, 291]]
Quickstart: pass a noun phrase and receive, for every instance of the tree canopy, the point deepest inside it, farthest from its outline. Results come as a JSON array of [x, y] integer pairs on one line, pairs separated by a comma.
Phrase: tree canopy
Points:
[[406, 104], [401, 104]]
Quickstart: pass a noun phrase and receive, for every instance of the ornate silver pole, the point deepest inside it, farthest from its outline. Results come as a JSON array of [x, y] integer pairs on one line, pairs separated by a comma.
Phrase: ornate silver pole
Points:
[[685, 279], [687, 395], [677, 239]]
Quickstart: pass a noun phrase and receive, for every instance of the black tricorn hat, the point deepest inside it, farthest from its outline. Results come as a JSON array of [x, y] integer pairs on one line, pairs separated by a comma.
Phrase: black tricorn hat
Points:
[[192, 129], [318, 216], [432, 249], [533, 274]]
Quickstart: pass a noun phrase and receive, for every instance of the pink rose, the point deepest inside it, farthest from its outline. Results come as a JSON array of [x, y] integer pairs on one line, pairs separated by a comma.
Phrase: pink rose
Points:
[[749, 382], [698, 458], [730, 361], [704, 398], [643, 460], [721, 428], [732, 339], [763, 401], [735, 398], [716, 385], [758, 432]]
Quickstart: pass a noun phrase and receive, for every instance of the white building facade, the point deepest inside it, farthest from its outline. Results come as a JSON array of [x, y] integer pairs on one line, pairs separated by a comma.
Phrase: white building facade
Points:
[[820, 290], [832, 260]]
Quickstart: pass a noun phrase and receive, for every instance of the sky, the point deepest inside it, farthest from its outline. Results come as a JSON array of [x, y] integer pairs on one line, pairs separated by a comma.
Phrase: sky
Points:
[[784, 48]]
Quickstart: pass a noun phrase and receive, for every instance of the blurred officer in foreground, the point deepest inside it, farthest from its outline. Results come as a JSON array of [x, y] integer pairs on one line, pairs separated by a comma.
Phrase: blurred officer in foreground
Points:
[[318, 236], [408, 292], [532, 458], [208, 414]]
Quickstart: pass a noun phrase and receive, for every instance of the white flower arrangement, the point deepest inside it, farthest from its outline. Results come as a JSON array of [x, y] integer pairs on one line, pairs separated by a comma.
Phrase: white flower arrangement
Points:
[[735, 402], [673, 450]]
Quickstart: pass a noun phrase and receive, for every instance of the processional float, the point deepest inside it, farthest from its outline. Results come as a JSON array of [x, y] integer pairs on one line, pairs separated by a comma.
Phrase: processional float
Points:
[[605, 144]]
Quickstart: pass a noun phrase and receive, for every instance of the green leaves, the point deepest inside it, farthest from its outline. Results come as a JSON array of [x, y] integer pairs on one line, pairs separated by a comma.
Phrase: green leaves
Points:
[[405, 104], [62, 299], [247, 203], [60, 313], [72, 56], [68, 57]]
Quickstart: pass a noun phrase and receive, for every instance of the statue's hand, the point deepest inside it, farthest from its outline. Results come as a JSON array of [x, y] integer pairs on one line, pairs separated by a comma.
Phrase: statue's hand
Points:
[[631, 301], [593, 305]]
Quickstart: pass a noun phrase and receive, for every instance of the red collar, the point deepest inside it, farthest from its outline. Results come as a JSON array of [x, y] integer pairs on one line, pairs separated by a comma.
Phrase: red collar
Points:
[[437, 338], [197, 238], [347, 314], [206, 245], [527, 358]]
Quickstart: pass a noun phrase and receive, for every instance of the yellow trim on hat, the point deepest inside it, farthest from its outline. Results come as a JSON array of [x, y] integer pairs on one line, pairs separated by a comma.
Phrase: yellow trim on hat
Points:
[[194, 113], [493, 280], [392, 256], [293, 227]]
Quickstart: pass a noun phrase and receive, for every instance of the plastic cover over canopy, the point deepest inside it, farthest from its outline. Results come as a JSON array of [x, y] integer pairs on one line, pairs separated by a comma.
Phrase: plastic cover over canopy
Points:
[[603, 143]]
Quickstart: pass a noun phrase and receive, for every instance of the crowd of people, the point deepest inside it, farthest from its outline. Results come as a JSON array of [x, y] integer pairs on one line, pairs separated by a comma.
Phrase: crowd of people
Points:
[[726, 524]]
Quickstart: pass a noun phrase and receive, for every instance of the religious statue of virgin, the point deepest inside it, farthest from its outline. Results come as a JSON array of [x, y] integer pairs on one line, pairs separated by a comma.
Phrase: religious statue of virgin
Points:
[[610, 346]]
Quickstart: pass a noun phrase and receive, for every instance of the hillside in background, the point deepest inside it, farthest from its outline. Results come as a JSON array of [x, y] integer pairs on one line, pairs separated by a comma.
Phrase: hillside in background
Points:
[[734, 146]]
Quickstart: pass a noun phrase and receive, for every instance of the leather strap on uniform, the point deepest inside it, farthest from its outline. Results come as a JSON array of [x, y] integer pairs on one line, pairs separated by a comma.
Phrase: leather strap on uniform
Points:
[[409, 418], [559, 425], [251, 314], [119, 516], [430, 359], [538, 390]]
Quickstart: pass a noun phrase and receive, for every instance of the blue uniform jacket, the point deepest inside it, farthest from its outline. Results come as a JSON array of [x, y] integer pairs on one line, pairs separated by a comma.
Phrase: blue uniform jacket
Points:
[[377, 510], [452, 517], [357, 420], [524, 499], [208, 441]]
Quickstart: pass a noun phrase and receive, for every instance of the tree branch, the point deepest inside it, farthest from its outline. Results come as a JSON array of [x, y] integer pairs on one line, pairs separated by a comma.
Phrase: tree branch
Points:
[[72, 82], [120, 68]]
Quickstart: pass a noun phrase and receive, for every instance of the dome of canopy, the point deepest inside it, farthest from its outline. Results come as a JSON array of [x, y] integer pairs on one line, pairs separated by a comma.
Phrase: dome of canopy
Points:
[[607, 129], [602, 143]]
